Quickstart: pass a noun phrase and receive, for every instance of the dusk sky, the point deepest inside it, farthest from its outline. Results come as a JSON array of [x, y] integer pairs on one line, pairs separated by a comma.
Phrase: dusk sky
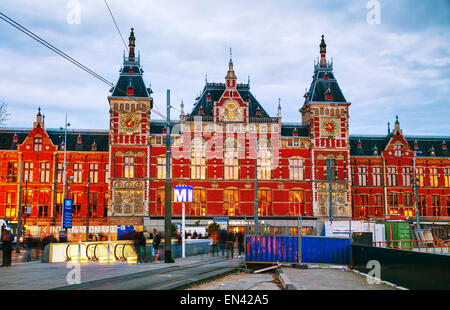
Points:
[[400, 66]]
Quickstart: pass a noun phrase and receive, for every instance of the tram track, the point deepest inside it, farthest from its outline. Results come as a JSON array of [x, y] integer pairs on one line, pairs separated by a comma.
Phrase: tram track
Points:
[[166, 278]]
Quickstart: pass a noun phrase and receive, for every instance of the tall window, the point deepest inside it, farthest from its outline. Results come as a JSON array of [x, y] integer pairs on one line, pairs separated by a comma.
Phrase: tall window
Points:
[[160, 201], [37, 145], [231, 159], [231, 202], [392, 176], [106, 173], [77, 173], [198, 204], [422, 203], [44, 201], [434, 177], [93, 173], [408, 199], [296, 203], [378, 204], [161, 167], [362, 176], [406, 176], [376, 176], [264, 160], [393, 199], [198, 159], [448, 205], [296, 169], [420, 174], [10, 204], [76, 212], [398, 150], [45, 173], [447, 177], [331, 168], [128, 165], [28, 172], [93, 202], [264, 202], [59, 202], [59, 172], [436, 204], [12, 172]]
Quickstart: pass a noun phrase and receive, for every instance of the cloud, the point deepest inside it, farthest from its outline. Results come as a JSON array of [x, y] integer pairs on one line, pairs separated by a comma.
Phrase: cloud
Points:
[[398, 67]]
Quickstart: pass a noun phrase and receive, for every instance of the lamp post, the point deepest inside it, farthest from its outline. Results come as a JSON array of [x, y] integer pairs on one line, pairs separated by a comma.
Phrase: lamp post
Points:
[[255, 204], [66, 125], [168, 192], [415, 185], [88, 209]]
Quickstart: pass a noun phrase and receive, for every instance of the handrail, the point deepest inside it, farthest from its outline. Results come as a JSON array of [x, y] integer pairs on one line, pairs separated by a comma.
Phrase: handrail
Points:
[[409, 244]]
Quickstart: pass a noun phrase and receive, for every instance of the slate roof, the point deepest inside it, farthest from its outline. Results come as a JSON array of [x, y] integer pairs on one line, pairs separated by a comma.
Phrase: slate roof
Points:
[[287, 130], [425, 145], [215, 90], [135, 80], [101, 138], [320, 86]]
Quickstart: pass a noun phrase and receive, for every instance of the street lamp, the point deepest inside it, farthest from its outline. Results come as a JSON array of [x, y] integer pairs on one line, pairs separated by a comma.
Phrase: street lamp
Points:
[[66, 125], [88, 209], [415, 185]]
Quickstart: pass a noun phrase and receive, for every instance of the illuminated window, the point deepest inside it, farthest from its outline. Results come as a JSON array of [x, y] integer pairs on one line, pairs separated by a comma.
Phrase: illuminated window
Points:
[[161, 167], [296, 203], [10, 204], [77, 173], [231, 202], [420, 174], [128, 168], [37, 145], [264, 202], [447, 177], [422, 203], [160, 201], [93, 173], [59, 202], [106, 173], [364, 200], [296, 169], [77, 200], [12, 172], [198, 204], [434, 177], [93, 202], [45, 173]]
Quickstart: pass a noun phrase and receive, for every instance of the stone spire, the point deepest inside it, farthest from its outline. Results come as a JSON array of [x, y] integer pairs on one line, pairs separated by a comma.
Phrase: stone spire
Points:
[[39, 120], [231, 76], [323, 53], [131, 45]]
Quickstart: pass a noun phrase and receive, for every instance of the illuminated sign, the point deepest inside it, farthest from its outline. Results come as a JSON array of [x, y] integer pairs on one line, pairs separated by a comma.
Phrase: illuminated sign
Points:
[[183, 193]]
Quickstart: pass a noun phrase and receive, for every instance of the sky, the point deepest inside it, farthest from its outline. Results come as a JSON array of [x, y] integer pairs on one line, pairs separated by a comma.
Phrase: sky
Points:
[[399, 66]]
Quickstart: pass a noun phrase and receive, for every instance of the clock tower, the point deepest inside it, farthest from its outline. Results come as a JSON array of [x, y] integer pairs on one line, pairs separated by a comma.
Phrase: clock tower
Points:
[[129, 142], [325, 110]]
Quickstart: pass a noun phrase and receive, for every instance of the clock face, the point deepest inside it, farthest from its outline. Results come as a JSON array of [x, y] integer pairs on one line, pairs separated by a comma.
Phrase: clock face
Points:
[[129, 122], [329, 127]]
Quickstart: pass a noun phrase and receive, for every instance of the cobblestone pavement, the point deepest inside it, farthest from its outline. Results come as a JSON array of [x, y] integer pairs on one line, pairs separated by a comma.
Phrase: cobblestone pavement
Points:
[[330, 279]]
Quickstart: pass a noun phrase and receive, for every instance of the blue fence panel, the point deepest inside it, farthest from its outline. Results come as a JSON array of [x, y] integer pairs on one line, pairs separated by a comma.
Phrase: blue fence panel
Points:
[[326, 250], [271, 249]]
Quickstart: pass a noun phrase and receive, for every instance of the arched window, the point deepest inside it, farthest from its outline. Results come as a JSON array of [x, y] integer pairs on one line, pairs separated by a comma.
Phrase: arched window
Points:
[[129, 165], [264, 202], [198, 204], [198, 159], [264, 160], [296, 202], [296, 169], [231, 202]]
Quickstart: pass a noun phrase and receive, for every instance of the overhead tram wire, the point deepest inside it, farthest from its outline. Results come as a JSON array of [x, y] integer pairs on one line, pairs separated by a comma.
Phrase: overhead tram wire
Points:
[[65, 56], [117, 27]]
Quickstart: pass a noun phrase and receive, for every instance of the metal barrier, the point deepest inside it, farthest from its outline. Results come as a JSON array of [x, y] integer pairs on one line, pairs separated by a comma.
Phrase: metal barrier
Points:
[[326, 250], [423, 246]]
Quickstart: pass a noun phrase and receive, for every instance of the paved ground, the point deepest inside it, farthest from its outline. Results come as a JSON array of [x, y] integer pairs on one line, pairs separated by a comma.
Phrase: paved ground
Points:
[[330, 279], [242, 281], [42, 276]]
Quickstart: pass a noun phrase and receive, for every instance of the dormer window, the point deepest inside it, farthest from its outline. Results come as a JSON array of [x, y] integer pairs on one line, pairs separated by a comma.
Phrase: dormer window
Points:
[[328, 95], [37, 144], [444, 145], [432, 151], [326, 77], [295, 132], [131, 71], [258, 111], [359, 144], [15, 138], [375, 150], [130, 91], [94, 146], [79, 139], [416, 145]]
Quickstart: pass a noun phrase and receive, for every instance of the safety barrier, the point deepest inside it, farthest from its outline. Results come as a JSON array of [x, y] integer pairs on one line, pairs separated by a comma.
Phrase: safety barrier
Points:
[[423, 246], [326, 250]]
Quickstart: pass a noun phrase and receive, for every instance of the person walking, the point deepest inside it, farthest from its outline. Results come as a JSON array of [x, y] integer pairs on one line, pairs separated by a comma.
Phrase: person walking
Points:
[[230, 245], [240, 241], [156, 242], [223, 238], [7, 239], [28, 245], [142, 245], [215, 242]]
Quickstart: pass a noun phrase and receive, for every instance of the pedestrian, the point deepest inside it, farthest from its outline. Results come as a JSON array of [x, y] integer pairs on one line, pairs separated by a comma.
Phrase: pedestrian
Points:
[[195, 235], [230, 245], [240, 240], [28, 245], [7, 239], [156, 242], [223, 238], [215, 242], [142, 245]]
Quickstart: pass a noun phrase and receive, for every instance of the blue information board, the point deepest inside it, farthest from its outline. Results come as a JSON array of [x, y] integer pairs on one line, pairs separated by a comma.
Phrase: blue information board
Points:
[[67, 213], [222, 222]]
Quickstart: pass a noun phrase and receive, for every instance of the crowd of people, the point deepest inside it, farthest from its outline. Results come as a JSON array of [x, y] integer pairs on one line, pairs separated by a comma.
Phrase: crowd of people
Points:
[[227, 242]]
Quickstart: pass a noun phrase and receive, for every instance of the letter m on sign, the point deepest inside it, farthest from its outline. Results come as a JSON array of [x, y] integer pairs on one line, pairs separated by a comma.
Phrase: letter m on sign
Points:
[[183, 194]]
